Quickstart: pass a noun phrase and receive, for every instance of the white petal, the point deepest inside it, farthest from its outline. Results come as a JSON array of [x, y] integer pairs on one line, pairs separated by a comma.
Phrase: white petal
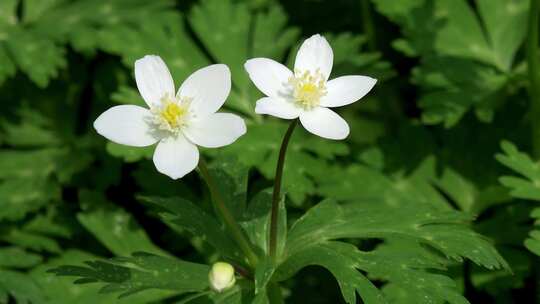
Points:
[[216, 130], [126, 125], [269, 76], [325, 123], [346, 90], [277, 107], [176, 156], [153, 79], [315, 53], [209, 87]]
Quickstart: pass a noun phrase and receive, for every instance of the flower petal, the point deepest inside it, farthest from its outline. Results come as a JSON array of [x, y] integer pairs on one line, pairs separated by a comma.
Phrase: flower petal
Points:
[[325, 123], [269, 76], [209, 87], [176, 156], [127, 125], [216, 130], [153, 79], [315, 53], [277, 107], [346, 90]]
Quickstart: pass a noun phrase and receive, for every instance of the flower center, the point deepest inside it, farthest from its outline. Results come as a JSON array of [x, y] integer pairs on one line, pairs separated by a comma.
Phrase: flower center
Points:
[[172, 114], [308, 88]]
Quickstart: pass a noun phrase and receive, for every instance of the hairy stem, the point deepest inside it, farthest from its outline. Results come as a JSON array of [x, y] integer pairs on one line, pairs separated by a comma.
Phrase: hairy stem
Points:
[[226, 215], [534, 77], [277, 191]]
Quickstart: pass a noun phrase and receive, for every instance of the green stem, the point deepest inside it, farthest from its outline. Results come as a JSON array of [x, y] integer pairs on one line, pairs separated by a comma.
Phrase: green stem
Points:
[[277, 191], [534, 77], [226, 215], [367, 21], [274, 294]]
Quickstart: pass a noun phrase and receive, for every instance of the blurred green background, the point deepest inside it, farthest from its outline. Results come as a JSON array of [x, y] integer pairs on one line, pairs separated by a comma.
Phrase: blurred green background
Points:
[[450, 123]]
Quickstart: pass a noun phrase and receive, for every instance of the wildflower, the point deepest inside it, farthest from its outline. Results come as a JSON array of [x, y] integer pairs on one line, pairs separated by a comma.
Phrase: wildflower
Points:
[[179, 122], [307, 93]]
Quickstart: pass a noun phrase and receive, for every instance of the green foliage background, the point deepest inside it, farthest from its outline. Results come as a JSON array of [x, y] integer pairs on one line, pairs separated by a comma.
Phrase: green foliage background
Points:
[[433, 198]]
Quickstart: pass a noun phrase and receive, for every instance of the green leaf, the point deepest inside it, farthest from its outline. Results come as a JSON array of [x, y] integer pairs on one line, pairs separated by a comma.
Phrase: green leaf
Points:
[[29, 164], [32, 173], [411, 273], [30, 240], [528, 187], [36, 44], [34, 129], [31, 194], [139, 272], [256, 221], [115, 228], [466, 61], [231, 180], [38, 57], [130, 154], [453, 86], [241, 293], [406, 198], [183, 214], [54, 221], [505, 23], [336, 257], [442, 230], [426, 224], [263, 273], [343, 184], [498, 282], [18, 258], [465, 193], [270, 27], [461, 35], [60, 290], [533, 242], [21, 287], [165, 36]]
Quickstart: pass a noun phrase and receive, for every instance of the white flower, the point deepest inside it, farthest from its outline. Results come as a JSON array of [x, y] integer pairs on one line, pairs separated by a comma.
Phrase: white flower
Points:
[[307, 93], [221, 276], [177, 122]]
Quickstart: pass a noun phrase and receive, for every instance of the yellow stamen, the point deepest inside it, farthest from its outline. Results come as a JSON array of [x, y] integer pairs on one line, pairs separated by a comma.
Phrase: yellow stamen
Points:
[[308, 88], [172, 114]]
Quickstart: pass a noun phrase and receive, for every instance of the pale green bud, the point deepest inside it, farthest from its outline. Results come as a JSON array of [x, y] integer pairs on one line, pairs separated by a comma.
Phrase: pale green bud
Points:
[[221, 276]]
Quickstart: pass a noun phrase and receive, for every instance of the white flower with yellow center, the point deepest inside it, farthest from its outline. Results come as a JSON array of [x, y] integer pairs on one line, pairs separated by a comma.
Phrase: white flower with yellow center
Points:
[[307, 93], [177, 122]]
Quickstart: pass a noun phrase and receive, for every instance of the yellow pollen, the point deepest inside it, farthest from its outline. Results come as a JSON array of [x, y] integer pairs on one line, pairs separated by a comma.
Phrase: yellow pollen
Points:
[[308, 88], [172, 112]]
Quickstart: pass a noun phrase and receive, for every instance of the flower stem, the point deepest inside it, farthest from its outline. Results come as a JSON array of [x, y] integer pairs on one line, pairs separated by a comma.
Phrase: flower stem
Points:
[[274, 294], [226, 215], [277, 191], [534, 77], [367, 21]]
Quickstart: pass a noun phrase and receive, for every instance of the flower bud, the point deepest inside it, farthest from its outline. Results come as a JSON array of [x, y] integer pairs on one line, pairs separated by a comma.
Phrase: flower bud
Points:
[[221, 276]]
